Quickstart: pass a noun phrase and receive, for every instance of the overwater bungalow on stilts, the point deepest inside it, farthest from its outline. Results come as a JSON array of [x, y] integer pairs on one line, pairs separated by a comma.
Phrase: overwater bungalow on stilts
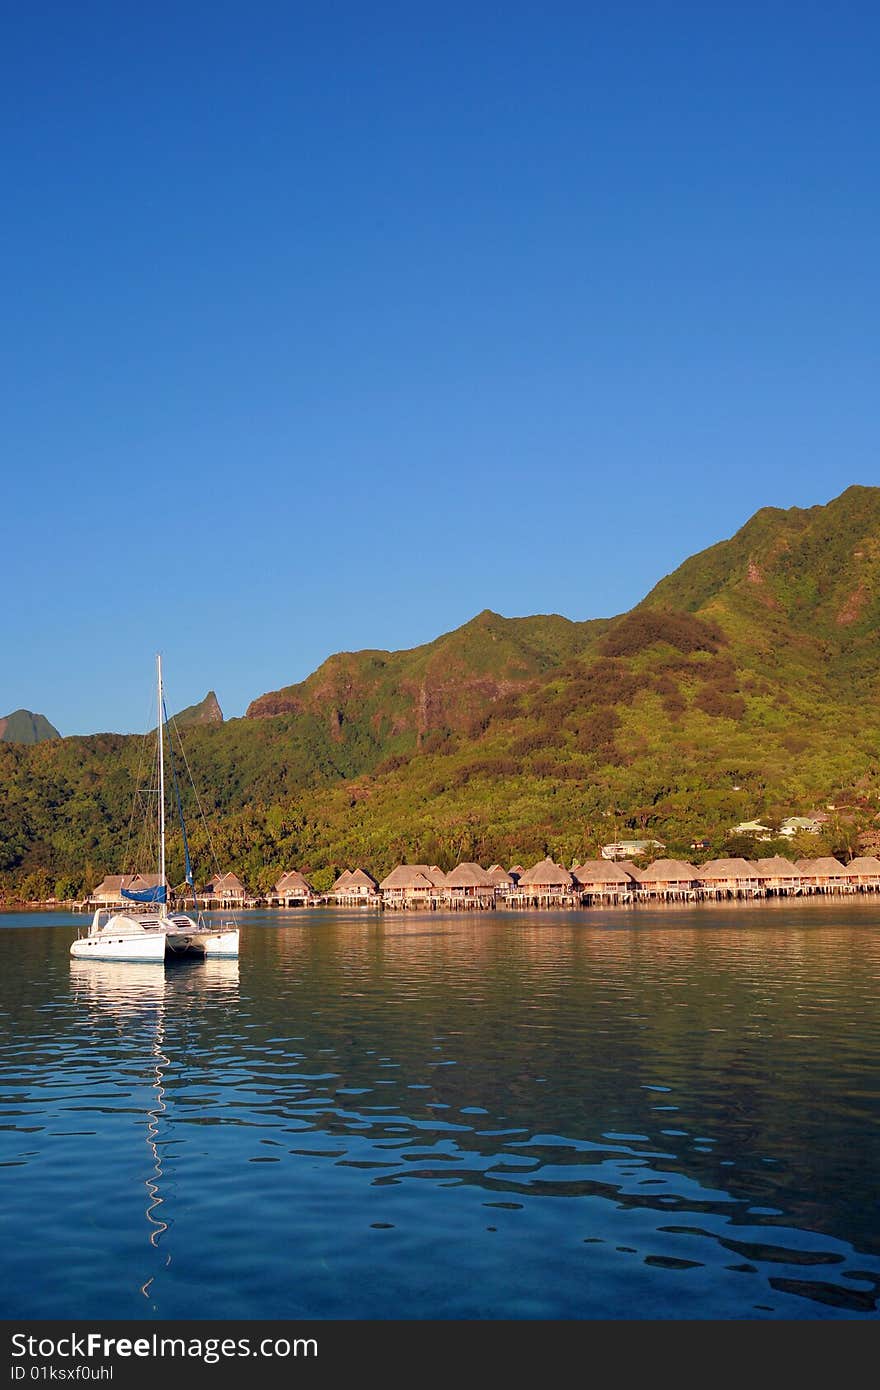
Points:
[[503, 881], [547, 884], [224, 891], [729, 878], [108, 893], [822, 875], [468, 886], [602, 881], [413, 886], [863, 874], [778, 877], [669, 880], [292, 890], [355, 888]]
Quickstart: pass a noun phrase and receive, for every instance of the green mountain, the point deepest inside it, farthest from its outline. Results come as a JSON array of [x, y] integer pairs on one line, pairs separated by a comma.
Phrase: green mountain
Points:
[[207, 711], [406, 699], [22, 726], [744, 685]]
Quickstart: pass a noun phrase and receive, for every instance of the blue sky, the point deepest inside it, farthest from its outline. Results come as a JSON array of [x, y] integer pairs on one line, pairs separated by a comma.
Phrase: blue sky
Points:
[[326, 327]]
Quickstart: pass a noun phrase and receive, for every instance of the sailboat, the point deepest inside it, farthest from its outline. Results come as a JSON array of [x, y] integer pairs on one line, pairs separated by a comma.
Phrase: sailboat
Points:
[[147, 931]]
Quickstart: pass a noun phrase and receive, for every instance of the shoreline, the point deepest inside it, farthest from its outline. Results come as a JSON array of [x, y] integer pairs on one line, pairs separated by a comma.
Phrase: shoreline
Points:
[[774, 902]]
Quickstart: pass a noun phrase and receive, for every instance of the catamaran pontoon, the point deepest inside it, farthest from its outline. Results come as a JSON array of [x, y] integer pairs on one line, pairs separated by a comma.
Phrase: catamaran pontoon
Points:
[[147, 931]]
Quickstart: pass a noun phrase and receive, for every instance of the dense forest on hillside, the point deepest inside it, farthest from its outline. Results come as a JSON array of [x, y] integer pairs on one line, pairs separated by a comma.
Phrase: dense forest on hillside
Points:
[[744, 685]]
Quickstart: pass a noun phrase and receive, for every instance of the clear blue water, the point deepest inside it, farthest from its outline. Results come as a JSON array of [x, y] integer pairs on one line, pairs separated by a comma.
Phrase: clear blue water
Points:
[[671, 1113]]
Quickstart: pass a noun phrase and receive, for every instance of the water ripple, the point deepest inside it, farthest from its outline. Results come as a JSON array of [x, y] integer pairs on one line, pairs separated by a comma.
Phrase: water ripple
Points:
[[531, 1118]]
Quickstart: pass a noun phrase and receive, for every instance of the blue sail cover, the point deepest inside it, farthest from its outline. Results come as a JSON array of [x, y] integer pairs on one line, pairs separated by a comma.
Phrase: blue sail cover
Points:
[[159, 894]]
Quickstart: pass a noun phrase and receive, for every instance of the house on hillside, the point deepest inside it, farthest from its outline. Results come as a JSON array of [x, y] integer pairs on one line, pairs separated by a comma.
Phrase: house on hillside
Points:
[[629, 849], [800, 825], [753, 828]]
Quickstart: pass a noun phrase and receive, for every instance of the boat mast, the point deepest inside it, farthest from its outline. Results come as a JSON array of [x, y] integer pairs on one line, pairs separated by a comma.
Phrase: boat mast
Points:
[[161, 776]]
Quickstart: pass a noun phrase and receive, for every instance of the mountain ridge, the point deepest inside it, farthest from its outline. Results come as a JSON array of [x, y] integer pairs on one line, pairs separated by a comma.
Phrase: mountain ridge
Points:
[[745, 683]]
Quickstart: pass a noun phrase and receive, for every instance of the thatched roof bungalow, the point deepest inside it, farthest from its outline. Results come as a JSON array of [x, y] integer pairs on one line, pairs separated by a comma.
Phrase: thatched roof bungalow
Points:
[[292, 890], [728, 877], [226, 889], [602, 878], [778, 875], [354, 886], [669, 878], [821, 875], [412, 885], [108, 893], [632, 869], [863, 872], [502, 880], [362, 884], [469, 882], [544, 884]]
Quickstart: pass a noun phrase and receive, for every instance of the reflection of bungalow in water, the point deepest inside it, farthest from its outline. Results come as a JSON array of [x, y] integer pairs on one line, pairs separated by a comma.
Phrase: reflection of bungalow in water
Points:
[[355, 888], [224, 890], [292, 890], [469, 885], [670, 879], [729, 878], [863, 874], [413, 885], [602, 880], [544, 885], [822, 875], [778, 877], [108, 892]]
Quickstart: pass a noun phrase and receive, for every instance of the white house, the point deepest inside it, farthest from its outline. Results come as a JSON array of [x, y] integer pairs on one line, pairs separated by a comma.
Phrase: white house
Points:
[[629, 849], [752, 827], [799, 825]]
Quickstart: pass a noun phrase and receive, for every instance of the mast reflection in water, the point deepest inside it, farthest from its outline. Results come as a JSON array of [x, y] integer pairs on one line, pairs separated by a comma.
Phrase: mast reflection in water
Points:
[[133, 997]]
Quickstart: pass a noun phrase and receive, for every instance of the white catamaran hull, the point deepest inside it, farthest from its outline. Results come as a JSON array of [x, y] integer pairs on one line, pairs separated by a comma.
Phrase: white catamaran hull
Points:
[[154, 933], [186, 937], [125, 937], [108, 946], [220, 943]]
